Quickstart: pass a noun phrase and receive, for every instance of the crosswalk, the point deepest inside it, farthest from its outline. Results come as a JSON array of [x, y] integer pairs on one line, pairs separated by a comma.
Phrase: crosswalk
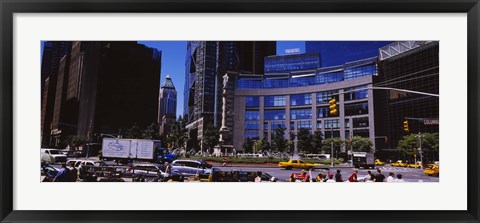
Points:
[[399, 169]]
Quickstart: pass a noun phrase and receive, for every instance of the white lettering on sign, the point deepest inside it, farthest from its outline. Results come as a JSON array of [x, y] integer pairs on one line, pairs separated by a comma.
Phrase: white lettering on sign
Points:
[[430, 122], [294, 50]]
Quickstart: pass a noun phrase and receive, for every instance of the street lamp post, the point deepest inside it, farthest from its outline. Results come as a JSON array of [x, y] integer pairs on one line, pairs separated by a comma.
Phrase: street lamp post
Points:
[[331, 137], [420, 137]]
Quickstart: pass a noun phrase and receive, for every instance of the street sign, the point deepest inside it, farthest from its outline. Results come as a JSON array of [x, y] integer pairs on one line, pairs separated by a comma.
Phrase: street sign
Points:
[[430, 122]]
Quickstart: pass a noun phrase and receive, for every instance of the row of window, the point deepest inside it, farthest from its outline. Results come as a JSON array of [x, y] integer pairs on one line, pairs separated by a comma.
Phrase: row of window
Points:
[[306, 99], [306, 113], [334, 123], [313, 79]]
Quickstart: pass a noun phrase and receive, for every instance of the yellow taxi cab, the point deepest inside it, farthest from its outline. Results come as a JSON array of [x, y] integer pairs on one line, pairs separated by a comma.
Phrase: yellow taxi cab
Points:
[[418, 164], [296, 163], [399, 163], [379, 163], [432, 170]]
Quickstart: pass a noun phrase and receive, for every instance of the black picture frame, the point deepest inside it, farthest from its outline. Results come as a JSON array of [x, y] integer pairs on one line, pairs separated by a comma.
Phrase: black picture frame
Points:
[[9, 7]]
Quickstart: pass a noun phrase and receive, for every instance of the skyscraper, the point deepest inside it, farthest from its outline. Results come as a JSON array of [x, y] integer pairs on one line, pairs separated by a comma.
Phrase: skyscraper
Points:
[[206, 63], [105, 88], [167, 106]]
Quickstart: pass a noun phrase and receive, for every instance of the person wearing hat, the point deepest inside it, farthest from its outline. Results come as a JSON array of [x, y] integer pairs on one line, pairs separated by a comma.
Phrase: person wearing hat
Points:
[[330, 178]]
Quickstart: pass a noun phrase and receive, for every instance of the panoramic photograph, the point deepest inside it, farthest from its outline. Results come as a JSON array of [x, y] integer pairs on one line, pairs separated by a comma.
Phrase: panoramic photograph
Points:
[[240, 111]]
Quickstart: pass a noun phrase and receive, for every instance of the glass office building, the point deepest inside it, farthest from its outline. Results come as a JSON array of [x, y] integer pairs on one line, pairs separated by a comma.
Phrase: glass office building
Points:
[[298, 96]]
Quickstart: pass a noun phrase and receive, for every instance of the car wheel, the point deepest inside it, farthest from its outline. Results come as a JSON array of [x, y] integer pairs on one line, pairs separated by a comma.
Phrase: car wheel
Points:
[[288, 167]]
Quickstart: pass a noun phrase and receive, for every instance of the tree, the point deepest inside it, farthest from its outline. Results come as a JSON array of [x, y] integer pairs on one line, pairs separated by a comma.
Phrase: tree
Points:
[[337, 145], [304, 140], [360, 144], [261, 145], [278, 140], [134, 132], [248, 145], [178, 134], [151, 132], [211, 136], [317, 141], [430, 144], [407, 144]]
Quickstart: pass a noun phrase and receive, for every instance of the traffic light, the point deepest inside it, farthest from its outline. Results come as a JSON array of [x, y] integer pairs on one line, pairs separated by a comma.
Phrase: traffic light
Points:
[[333, 106], [414, 151], [405, 126]]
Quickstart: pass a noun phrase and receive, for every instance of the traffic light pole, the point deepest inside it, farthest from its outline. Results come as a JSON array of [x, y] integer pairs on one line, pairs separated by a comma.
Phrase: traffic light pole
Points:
[[420, 137]]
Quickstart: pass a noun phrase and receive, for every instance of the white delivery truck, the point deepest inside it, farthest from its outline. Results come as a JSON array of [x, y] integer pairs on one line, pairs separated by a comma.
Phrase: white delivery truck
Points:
[[140, 149], [363, 159]]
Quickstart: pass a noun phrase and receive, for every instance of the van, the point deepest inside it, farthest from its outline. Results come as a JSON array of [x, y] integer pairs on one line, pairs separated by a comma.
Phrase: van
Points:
[[52, 156]]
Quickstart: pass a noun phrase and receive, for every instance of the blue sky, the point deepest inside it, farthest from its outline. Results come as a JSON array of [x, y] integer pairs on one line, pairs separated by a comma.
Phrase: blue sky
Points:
[[173, 61]]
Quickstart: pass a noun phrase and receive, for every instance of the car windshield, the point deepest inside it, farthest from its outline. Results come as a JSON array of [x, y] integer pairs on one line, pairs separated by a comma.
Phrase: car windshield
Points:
[[54, 152]]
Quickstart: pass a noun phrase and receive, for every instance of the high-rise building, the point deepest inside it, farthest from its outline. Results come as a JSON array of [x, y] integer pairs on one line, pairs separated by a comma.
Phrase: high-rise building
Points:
[[333, 53], [167, 105], [409, 65], [107, 87], [206, 63], [53, 51]]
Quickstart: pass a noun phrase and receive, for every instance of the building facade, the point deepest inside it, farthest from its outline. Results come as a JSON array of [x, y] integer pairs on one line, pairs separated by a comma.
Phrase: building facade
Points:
[[108, 87], [412, 65], [167, 105], [298, 98], [206, 64]]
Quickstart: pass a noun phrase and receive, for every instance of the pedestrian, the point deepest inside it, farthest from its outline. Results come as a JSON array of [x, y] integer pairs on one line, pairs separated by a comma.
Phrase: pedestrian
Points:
[[399, 178], [368, 177], [320, 177], [73, 172], [168, 170], [305, 176], [63, 174], [379, 177], [353, 177], [258, 178], [390, 178], [338, 176], [330, 178]]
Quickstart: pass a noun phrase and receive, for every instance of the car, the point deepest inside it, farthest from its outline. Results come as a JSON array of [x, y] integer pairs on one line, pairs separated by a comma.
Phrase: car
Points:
[[192, 167], [418, 164], [432, 170], [78, 162], [52, 156], [241, 176], [399, 163], [379, 163], [296, 163]]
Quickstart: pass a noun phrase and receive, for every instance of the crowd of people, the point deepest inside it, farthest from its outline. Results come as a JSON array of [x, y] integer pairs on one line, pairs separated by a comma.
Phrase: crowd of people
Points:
[[337, 177]]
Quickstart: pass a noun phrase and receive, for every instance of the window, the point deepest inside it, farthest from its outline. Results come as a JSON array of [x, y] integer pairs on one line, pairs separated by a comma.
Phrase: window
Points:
[[304, 124], [360, 122], [252, 134], [249, 84], [355, 95], [274, 101], [347, 123], [335, 123], [362, 133], [252, 115], [319, 125], [356, 109], [252, 101], [356, 72], [324, 112], [325, 96], [301, 113], [301, 81], [276, 124], [325, 78], [251, 125], [275, 83], [292, 126], [301, 99], [274, 114]]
